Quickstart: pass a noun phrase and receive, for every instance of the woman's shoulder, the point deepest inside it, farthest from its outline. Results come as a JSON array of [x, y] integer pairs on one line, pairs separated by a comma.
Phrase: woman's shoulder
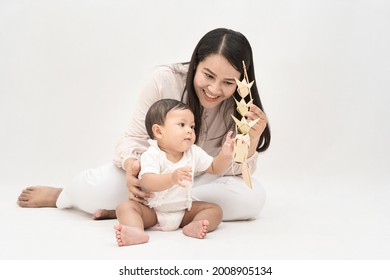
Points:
[[170, 79], [175, 69]]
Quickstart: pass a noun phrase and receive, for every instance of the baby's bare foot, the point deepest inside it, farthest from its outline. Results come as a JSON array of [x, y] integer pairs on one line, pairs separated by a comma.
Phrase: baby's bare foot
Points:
[[104, 214], [39, 196], [196, 229], [126, 235]]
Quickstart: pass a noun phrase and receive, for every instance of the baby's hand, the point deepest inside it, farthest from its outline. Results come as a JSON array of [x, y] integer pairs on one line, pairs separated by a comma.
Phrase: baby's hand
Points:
[[181, 176], [228, 146]]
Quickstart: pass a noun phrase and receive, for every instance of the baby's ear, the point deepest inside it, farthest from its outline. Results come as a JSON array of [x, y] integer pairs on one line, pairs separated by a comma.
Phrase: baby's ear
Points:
[[157, 132]]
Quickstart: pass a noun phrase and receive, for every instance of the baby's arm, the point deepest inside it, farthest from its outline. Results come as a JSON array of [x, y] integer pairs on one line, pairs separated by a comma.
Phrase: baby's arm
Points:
[[224, 158], [159, 182]]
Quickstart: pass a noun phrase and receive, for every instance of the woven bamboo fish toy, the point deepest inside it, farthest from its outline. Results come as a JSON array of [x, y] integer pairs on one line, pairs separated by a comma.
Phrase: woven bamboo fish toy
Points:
[[242, 139]]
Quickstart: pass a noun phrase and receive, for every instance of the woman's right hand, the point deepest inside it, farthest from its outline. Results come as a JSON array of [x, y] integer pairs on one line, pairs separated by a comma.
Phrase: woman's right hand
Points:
[[133, 183]]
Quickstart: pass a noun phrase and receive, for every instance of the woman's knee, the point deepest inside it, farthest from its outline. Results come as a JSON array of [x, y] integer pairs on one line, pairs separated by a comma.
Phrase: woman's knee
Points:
[[238, 201], [99, 188], [255, 201], [247, 205]]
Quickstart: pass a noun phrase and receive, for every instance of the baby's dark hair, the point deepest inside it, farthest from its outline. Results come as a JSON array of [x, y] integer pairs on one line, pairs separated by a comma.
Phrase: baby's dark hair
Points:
[[158, 112]]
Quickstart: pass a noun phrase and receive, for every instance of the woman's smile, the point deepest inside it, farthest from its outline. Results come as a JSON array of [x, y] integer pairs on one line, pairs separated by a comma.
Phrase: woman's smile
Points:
[[209, 97], [214, 80]]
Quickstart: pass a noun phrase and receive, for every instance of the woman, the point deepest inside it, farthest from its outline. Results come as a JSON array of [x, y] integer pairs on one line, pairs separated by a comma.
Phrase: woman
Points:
[[207, 85]]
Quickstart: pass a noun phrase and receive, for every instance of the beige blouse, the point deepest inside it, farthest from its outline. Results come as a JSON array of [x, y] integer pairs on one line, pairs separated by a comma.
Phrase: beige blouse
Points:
[[168, 81]]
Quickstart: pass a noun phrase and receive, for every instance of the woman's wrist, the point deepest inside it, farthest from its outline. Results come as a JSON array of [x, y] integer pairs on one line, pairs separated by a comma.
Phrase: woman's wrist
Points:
[[127, 165], [254, 141], [132, 157]]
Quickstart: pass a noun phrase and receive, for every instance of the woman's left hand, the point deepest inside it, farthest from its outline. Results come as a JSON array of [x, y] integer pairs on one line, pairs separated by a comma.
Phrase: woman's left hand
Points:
[[253, 114], [228, 146]]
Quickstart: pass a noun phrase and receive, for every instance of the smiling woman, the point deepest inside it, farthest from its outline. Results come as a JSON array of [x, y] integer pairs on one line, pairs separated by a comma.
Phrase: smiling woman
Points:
[[214, 80], [206, 85]]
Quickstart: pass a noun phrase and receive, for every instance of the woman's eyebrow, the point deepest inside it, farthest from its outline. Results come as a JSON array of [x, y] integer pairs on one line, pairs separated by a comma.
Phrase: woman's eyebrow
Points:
[[212, 73], [207, 69]]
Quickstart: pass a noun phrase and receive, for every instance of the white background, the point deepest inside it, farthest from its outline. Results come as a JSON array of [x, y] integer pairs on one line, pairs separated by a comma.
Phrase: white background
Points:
[[71, 70]]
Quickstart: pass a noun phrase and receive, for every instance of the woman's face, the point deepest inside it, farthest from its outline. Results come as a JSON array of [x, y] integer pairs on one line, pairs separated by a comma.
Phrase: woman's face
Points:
[[214, 80]]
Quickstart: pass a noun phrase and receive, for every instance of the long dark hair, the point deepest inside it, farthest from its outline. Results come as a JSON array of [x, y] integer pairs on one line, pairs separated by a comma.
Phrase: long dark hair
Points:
[[235, 48]]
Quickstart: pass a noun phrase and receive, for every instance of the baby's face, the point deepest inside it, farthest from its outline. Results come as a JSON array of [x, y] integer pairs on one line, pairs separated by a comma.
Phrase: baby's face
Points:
[[178, 132]]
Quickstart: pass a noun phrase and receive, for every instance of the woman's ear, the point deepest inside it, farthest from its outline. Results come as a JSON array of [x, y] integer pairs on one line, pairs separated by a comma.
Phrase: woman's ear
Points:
[[157, 131]]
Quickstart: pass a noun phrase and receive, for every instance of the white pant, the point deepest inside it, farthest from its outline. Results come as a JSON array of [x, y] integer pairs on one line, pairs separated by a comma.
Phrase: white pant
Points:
[[105, 187]]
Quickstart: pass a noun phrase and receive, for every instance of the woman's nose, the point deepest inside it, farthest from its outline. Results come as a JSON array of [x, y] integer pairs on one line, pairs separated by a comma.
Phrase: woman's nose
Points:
[[214, 88]]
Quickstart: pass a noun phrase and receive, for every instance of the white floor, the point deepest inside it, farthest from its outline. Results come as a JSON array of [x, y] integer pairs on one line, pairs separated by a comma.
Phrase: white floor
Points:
[[298, 223], [70, 71]]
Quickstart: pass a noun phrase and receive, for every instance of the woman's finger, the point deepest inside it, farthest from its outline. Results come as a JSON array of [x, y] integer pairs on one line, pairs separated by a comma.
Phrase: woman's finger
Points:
[[135, 168], [138, 195]]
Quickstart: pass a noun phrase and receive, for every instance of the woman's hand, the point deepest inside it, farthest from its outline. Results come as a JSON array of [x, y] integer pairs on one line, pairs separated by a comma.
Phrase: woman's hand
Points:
[[228, 146], [257, 129], [253, 114], [133, 183]]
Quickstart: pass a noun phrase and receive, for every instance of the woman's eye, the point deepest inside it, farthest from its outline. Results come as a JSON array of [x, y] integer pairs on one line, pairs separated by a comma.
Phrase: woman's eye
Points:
[[208, 75]]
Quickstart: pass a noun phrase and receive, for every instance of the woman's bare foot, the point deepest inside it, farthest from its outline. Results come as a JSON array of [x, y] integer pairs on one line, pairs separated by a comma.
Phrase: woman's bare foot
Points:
[[103, 214], [39, 196], [196, 229], [126, 235]]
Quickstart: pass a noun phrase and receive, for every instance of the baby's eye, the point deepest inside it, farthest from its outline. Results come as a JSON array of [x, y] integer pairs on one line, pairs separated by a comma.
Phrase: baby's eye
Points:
[[181, 124], [192, 127]]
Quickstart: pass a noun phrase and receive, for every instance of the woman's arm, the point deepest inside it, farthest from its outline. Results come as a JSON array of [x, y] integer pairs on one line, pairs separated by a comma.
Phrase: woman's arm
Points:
[[164, 83], [134, 141]]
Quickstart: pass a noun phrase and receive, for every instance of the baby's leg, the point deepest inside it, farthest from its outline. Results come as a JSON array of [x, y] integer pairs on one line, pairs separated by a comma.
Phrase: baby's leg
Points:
[[197, 229], [133, 217], [128, 235], [203, 218]]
